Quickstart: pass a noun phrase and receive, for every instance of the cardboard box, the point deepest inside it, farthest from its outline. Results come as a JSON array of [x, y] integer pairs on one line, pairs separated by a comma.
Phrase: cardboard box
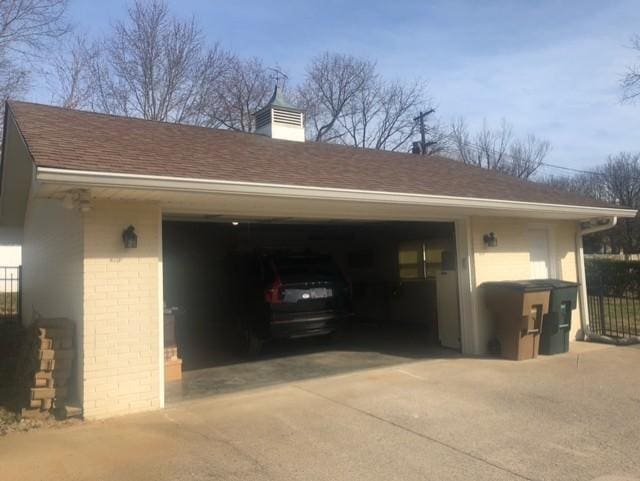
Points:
[[173, 370]]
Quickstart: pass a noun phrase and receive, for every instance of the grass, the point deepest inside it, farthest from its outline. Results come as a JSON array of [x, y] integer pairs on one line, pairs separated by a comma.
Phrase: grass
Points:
[[8, 303]]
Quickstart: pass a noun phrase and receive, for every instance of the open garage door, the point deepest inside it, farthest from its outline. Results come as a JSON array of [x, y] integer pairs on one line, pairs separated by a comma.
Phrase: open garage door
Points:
[[269, 290]]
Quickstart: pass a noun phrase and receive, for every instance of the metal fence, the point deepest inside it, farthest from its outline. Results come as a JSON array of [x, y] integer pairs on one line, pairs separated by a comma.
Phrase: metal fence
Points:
[[613, 313], [10, 293]]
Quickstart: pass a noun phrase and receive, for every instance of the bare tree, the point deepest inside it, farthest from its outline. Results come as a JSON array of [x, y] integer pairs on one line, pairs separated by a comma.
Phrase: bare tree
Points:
[[438, 139], [498, 150], [354, 125], [630, 82], [617, 181], [14, 80], [526, 156], [27, 27], [156, 66], [239, 94], [332, 82], [71, 86], [153, 66], [621, 176], [584, 184], [381, 115], [487, 149], [347, 101]]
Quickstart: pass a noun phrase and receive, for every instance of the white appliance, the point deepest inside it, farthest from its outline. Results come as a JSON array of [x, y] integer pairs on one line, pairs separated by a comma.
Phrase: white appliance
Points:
[[448, 312]]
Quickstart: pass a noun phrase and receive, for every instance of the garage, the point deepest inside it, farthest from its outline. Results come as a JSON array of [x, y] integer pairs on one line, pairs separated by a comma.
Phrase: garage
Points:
[[122, 219], [400, 281]]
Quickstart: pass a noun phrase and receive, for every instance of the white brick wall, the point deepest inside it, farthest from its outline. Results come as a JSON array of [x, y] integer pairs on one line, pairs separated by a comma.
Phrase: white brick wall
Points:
[[75, 266], [510, 259], [121, 310], [52, 265]]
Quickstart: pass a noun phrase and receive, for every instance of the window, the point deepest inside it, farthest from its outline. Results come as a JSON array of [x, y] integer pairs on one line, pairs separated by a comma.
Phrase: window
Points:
[[433, 259], [418, 260], [412, 257]]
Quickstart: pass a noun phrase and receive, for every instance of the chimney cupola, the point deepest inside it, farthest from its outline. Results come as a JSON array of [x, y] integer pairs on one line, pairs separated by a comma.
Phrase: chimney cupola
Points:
[[280, 120]]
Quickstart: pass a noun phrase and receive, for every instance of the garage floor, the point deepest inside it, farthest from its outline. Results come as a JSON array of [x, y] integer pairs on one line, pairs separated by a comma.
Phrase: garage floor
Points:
[[569, 417], [365, 347]]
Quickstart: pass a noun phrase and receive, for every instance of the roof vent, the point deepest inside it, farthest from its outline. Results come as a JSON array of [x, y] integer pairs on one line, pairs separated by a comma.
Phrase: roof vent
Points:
[[280, 120]]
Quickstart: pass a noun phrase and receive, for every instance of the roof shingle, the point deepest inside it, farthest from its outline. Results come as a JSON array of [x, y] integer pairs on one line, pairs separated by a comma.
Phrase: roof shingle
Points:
[[71, 139]]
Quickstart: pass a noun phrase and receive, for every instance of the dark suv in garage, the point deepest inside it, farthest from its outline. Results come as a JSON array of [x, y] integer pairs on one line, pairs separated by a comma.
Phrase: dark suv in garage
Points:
[[288, 296]]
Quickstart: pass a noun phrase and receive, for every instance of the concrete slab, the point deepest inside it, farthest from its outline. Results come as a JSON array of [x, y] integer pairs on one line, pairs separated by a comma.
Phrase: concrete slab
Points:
[[567, 417], [364, 347]]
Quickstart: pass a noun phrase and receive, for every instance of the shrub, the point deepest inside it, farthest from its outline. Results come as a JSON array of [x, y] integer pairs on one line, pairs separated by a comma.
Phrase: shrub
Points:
[[616, 277]]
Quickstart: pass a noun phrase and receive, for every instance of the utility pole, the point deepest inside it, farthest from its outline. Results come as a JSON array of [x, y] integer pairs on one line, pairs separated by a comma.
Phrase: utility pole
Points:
[[423, 133]]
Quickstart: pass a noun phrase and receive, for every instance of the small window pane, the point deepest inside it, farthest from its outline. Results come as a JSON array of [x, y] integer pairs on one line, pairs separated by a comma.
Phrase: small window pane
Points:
[[409, 256], [410, 272], [411, 260]]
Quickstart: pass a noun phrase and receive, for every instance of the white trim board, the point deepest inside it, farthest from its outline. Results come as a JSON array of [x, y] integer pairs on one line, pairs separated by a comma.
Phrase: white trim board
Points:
[[140, 181]]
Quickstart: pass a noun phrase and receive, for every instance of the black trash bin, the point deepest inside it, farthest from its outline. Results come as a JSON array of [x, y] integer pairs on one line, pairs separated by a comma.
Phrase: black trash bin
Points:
[[557, 322]]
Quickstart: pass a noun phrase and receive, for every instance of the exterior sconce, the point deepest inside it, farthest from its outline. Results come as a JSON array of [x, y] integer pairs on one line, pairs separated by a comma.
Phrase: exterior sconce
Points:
[[490, 240], [130, 238]]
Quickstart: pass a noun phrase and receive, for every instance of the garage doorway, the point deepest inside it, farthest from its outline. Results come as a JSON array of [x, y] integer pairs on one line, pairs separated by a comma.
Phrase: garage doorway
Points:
[[402, 281]]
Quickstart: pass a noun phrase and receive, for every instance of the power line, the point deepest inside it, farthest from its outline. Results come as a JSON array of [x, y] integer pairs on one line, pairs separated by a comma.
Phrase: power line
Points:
[[513, 159], [571, 169], [543, 164], [420, 147]]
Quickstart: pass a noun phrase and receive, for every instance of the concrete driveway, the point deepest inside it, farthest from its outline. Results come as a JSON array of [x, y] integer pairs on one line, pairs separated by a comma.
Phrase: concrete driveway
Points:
[[573, 417]]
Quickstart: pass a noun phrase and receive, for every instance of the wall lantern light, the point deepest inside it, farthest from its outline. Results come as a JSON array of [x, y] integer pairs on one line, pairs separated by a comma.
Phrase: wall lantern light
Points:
[[490, 240], [130, 238]]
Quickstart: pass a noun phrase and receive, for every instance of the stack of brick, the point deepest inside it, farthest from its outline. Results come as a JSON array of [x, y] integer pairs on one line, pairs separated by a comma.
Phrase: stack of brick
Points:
[[47, 366], [172, 362]]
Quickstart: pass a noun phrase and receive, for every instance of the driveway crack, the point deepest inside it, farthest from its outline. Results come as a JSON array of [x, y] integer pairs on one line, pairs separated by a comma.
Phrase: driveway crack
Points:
[[416, 433], [224, 441]]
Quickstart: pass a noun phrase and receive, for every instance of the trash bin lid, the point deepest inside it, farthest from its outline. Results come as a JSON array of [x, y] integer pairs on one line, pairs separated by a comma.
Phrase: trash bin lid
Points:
[[522, 286], [554, 283]]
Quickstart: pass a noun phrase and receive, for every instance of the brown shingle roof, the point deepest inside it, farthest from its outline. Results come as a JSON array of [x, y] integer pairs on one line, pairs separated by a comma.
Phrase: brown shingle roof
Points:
[[71, 139]]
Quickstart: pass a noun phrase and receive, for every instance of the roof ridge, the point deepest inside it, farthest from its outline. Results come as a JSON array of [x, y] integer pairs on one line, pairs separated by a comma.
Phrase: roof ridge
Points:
[[125, 117]]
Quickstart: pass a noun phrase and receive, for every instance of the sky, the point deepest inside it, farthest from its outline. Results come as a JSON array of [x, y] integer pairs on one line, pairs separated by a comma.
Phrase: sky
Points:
[[551, 68]]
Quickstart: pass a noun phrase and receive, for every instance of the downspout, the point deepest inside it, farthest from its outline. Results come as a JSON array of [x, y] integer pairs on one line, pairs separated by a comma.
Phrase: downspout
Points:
[[587, 334]]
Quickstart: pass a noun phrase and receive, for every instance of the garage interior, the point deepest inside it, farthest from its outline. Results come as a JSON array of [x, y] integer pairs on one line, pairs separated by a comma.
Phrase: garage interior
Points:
[[404, 290]]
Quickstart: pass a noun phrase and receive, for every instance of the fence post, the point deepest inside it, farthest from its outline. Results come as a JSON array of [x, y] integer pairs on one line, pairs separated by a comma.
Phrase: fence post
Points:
[[603, 324]]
